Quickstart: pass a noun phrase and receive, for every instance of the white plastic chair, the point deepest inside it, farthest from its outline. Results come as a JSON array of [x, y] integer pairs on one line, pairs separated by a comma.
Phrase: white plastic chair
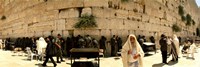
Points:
[[31, 54]]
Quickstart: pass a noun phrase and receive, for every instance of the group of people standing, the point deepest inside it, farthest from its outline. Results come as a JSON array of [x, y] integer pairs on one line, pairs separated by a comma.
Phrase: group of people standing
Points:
[[174, 45]]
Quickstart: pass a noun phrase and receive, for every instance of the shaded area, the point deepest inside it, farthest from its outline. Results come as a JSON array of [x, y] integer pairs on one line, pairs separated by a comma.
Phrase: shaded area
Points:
[[40, 65], [158, 65]]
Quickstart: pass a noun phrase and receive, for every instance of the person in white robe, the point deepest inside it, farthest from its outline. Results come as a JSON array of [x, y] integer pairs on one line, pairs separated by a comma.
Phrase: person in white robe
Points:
[[191, 50], [132, 53], [176, 43], [41, 46]]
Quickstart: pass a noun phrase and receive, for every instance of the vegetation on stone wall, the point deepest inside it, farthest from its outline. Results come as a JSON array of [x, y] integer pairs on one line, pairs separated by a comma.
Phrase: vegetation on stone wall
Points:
[[193, 22], [176, 28], [186, 18], [86, 21], [180, 10], [124, 0], [3, 17]]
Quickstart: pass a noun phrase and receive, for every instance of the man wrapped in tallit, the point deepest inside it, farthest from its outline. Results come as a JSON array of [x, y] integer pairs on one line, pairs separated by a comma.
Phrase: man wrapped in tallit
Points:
[[132, 53], [176, 43], [41, 44], [192, 49]]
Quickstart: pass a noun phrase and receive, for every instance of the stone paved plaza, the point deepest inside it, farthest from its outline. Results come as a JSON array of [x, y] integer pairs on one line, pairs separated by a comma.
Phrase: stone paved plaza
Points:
[[9, 59]]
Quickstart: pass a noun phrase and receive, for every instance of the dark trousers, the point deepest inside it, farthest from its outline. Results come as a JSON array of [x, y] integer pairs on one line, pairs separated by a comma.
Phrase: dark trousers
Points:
[[59, 55], [47, 58], [164, 56]]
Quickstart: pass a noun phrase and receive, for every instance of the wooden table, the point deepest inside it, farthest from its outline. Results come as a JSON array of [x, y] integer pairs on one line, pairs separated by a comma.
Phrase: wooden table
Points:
[[84, 52]]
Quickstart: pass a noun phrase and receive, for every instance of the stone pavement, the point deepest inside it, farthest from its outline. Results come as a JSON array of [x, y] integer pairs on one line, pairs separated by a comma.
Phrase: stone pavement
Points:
[[8, 59]]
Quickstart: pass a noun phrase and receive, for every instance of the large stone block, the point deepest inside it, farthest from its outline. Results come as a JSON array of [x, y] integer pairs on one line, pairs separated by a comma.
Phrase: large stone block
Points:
[[70, 22], [103, 23], [60, 24], [69, 13], [130, 25], [86, 10], [115, 24], [95, 3], [145, 18], [123, 14], [103, 12], [46, 16], [63, 4]]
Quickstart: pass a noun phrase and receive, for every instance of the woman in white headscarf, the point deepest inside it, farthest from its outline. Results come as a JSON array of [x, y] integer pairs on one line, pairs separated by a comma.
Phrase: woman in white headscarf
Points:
[[132, 53], [176, 43], [41, 45]]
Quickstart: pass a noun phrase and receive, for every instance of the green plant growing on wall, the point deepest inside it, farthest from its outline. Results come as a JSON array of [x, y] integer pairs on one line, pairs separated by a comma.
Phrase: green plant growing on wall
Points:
[[183, 18], [180, 10], [86, 21], [176, 28], [124, 0], [193, 22], [3, 17], [188, 19]]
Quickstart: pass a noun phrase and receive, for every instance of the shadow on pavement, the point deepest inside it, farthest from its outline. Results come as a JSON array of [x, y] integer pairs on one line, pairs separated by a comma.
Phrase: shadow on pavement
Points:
[[40, 65], [147, 54], [158, 65], [172, 62]]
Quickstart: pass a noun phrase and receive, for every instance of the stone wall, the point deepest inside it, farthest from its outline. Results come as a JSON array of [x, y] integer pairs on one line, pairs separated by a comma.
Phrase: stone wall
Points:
[[27, 18]]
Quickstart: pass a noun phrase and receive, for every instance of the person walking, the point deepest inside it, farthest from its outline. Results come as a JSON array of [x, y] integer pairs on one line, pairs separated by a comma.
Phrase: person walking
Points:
[[58, 42], [132, 53], [49, 52]]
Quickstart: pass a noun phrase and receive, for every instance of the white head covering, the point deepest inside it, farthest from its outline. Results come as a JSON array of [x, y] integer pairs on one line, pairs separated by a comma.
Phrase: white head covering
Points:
[[41, 43], [128, 57]]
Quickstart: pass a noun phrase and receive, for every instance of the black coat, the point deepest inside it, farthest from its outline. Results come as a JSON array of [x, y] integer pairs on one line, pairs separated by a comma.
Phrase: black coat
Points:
[[50, 50], [163, 44]]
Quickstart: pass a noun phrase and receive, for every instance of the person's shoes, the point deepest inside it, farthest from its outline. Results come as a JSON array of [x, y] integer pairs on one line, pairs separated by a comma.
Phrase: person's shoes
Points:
[[44, 65], [58, 62]]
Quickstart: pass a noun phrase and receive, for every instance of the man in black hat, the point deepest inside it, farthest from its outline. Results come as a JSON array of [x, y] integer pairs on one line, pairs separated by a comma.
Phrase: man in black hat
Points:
[[163, 44]]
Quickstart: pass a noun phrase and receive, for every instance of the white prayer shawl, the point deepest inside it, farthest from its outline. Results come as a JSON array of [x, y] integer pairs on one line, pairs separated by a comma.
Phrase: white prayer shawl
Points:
[[126, 58], [41, 43], [176, 42]]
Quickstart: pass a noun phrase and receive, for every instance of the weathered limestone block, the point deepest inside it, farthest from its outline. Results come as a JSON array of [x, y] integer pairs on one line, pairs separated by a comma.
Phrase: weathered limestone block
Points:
[[153, 20], [169, 17], [60, 24], [63, 4], [122, 14], [45, 16], [115, 24], [129, 24], [105, 32], [86, 10], [69, 13], [145, 18], [103, 12], [70, 22], [95, 3], [103, 23], [98, 12], [129, 6]]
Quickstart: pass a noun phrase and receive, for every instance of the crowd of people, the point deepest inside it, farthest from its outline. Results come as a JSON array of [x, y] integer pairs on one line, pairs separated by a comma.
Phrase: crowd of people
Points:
[[132, 51]]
